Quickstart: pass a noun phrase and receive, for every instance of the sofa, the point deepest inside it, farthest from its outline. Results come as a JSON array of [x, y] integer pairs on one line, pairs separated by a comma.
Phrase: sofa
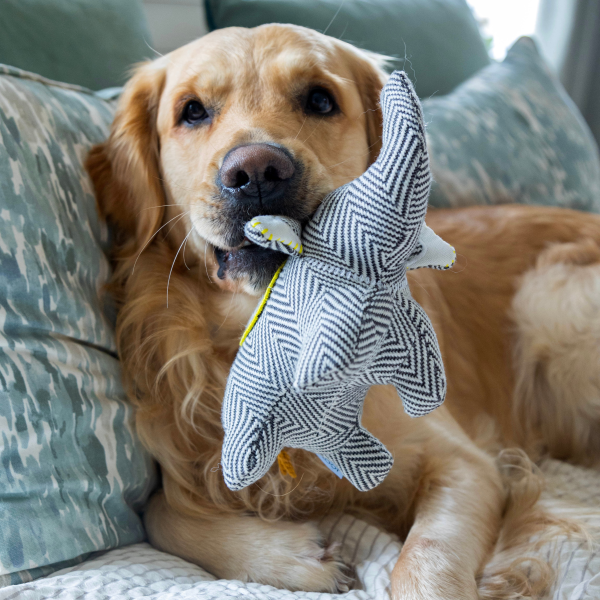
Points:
[[75, 477]]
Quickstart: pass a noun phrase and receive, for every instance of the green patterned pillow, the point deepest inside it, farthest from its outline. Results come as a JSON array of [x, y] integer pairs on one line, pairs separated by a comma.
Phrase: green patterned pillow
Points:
[[73, 475], [511, 134]]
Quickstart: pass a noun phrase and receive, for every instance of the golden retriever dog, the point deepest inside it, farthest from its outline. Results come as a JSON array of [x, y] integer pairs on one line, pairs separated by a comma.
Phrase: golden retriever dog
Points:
[[269, 120]]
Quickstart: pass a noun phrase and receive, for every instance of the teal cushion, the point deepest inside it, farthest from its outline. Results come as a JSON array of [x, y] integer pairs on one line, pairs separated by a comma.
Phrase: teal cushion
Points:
[[511, 134], [87, 42], [73, 475], [437, 42]]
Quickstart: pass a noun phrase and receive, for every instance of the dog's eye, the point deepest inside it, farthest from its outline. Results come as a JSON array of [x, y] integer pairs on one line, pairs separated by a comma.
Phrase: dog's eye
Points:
[[194, 112], [320, 101]]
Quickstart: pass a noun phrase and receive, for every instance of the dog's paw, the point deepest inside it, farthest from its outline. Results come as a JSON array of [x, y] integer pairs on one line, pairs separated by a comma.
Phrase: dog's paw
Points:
[[295, 556]]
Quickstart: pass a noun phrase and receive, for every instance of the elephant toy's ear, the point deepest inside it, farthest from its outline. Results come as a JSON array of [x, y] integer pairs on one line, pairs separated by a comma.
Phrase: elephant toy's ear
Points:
[[431, 252], [276, 233]]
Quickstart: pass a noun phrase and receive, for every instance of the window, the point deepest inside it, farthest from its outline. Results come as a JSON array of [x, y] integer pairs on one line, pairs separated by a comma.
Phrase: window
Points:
[[502, 22]]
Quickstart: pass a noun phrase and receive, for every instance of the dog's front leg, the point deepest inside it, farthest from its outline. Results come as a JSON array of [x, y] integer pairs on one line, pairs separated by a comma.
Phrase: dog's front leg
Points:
[[246, 548], [457, 519]]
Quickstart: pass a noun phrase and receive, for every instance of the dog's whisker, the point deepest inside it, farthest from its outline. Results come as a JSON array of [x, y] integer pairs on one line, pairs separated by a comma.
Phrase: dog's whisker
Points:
[[154, 50], [184, 247], [421, 286], [344, 31], [182, 215], [353, 156], [313, 131], [161, 206], [466, 261], [334, 17], [301, 126], [228, 311], [205, 265], [407, 60], [175, 184], [153, 236], [173, 265], [365, 112], [346, 160], [205, 250]]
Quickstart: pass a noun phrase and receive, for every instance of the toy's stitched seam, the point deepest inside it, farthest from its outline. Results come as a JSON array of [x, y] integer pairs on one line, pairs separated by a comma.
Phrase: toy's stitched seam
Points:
[[270, 238], [262, 304], [436, 267]]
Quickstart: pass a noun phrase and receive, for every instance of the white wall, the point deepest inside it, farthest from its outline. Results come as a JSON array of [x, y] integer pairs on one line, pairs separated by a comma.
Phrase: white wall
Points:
[[174, 23]]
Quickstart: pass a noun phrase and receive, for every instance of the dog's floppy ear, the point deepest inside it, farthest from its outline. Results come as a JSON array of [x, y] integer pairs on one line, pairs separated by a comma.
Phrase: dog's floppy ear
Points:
[[125, 168], [370, 77]]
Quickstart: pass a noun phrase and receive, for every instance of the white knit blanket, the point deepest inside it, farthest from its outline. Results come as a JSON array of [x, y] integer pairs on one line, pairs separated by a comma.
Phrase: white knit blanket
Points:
[[140, 571]]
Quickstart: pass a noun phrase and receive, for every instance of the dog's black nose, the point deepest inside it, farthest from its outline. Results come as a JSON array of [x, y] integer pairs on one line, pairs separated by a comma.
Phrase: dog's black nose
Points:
[[257, 174]]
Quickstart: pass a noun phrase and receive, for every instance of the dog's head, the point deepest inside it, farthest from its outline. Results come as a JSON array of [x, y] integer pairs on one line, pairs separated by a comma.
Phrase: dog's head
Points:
[[239, 123]]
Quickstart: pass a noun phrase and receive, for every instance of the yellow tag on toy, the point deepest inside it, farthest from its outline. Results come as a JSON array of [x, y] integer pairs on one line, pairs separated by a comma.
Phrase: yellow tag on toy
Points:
[[257, 312], [285, 464]]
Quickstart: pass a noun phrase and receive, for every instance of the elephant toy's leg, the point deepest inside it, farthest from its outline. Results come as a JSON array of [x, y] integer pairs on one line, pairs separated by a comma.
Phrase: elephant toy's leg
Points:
[[342, 441], [420, 380], [363, 460]]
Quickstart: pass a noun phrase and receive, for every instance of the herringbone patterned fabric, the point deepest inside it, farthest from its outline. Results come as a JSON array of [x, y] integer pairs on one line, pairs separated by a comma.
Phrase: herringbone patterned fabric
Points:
[[340, 317]]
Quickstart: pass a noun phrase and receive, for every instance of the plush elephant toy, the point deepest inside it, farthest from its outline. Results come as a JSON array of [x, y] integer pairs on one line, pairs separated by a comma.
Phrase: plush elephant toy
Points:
[[338, 316]]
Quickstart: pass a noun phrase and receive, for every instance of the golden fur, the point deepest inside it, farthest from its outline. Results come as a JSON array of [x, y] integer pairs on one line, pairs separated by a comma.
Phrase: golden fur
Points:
[[512, 318]]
